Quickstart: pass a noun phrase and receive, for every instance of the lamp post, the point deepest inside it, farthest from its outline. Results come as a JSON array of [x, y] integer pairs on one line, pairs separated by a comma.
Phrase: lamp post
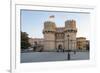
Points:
[[71, 42], [68, 56], [74, 46]]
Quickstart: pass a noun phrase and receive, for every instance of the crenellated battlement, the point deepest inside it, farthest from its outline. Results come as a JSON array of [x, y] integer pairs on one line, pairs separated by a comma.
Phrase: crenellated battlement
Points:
[[49, 26], [70, 24]]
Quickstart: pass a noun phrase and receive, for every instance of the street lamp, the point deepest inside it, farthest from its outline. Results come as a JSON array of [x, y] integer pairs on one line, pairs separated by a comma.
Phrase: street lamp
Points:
[[68, 56], [71, 42], [74, 46]]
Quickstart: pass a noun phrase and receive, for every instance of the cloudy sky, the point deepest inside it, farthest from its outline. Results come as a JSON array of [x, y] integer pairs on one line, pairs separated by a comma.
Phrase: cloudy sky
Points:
[[32, 22]]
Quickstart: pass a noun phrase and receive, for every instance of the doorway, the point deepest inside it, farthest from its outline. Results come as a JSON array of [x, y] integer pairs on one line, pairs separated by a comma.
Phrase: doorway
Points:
[[60, 49]]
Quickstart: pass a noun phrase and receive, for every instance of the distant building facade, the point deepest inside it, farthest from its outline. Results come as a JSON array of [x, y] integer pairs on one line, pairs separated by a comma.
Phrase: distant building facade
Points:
[[82, 43], [59, 37], [39, 41], [37, 44]]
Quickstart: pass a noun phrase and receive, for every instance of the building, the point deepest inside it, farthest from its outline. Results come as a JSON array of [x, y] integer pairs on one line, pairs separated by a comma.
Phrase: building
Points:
[[82, 43], [39, 41], [59, 37], [56, 38]]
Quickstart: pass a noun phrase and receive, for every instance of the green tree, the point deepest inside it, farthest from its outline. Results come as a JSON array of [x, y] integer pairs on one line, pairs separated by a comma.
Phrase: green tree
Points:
[[24, 40]]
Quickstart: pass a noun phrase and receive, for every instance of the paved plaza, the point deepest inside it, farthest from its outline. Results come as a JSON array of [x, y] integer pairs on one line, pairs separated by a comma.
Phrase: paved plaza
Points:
[[52, 56]]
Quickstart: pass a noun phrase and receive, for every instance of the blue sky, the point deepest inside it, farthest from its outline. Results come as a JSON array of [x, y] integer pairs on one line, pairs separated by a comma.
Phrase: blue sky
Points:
[[32, 22]]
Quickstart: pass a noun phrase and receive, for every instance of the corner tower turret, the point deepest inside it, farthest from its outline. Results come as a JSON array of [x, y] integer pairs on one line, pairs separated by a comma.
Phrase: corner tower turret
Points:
[[49, 35], [70, 34]]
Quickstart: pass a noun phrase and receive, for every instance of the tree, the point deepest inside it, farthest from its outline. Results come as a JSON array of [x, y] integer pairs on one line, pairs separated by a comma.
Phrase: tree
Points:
[[24, 40]]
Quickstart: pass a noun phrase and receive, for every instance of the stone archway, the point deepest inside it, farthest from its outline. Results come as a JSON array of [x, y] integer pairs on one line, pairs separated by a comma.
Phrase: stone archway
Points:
[[60, 48]]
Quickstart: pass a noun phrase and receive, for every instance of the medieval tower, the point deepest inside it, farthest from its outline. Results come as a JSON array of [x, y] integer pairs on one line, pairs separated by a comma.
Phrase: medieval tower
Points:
[[49, 35], [70, 34], [59, 37]]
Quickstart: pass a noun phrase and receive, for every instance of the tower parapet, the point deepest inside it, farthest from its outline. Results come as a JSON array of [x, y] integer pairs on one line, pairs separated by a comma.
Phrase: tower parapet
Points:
[[49, 27], [70, 26]]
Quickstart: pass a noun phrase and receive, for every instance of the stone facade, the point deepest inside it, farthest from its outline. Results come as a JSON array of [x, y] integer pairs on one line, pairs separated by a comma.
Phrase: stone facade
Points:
[[38, 40], [82, 43], [60, 37], [55, 37]]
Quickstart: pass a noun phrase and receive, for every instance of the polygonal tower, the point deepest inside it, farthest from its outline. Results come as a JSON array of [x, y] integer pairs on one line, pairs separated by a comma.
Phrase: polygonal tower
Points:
[[49, 35], [70, 35]]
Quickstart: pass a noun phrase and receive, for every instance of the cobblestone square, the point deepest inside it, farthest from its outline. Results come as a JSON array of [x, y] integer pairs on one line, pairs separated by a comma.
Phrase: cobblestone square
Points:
[[52, 56]]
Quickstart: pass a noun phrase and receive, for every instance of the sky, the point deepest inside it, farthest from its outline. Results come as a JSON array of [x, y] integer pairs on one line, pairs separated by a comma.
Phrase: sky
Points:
[[32, 22]]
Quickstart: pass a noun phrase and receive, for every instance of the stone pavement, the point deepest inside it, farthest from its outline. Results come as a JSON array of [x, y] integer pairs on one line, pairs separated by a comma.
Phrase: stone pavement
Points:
[[52, 56]]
